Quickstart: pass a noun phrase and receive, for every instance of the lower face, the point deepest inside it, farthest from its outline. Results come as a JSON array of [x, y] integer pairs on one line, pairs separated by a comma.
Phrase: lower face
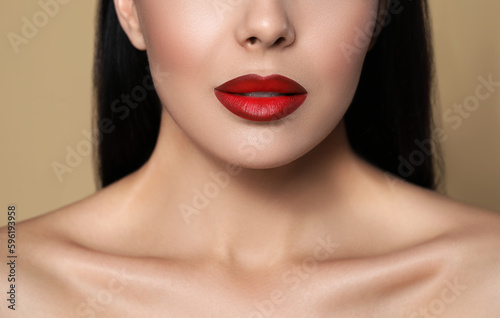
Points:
[[200, 44]]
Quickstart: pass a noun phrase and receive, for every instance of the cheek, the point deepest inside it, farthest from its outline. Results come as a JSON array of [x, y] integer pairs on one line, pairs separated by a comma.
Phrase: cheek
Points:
[[337, 45], [342, 44], [179, 33], [183, 38]]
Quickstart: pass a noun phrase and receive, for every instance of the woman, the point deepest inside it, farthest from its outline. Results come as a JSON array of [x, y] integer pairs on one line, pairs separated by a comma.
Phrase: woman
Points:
[[249, 170]]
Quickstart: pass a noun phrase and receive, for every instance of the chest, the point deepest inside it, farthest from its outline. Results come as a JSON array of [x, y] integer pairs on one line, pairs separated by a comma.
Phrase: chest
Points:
[[296, 291], [292, 296]]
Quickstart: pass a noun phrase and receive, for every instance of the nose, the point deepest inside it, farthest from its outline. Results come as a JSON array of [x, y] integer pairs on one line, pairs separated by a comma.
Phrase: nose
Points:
[[265, 25]]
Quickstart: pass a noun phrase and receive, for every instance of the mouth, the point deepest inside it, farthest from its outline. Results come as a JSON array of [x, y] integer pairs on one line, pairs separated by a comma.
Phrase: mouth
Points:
[[258, 98]]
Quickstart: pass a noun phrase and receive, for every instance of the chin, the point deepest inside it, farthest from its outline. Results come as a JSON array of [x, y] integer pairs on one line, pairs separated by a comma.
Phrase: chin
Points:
[[270, 157]]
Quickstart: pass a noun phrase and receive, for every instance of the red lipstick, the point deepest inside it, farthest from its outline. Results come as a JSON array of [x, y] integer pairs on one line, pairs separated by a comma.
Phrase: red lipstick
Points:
[[258, 98]]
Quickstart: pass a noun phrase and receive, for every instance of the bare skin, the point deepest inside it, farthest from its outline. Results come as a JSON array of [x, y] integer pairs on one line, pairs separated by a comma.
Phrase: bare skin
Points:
[[305, 228], [387, 249]]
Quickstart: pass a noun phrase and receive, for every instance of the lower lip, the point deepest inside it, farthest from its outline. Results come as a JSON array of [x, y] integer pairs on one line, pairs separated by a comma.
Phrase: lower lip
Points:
[[260, 108]]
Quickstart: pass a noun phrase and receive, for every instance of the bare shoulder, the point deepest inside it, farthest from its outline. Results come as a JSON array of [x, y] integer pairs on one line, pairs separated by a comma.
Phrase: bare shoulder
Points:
[[475, 264], [35, 250], [469, 239], [49, 266]]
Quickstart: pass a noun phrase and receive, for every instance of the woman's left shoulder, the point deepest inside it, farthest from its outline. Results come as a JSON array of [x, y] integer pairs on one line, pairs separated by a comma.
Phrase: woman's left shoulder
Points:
[[475, 271], [470, 240]]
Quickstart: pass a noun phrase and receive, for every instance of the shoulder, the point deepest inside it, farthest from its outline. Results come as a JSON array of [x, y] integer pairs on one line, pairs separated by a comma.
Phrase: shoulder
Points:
[[476, 264], [51, 264], [468, 284], [35, 275], [468, 239]]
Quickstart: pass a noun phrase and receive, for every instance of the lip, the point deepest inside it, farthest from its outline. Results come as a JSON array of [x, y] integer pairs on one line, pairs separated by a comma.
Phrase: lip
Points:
[[260, 108]]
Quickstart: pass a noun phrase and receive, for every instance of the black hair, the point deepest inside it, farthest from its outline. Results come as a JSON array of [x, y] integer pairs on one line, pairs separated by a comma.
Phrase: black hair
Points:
[[390, 112], [390, 116], [126, 135]]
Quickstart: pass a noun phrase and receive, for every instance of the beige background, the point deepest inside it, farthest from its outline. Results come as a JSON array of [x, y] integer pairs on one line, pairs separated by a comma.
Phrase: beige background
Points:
[[45, 92]]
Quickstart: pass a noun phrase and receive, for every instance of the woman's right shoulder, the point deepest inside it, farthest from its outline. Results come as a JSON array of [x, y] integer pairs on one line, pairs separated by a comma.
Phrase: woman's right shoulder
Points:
[[44, 256], [69, 224], [47, 228]]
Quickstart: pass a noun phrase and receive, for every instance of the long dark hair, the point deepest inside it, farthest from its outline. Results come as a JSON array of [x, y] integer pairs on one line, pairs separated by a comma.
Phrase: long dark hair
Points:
[[389, 119]]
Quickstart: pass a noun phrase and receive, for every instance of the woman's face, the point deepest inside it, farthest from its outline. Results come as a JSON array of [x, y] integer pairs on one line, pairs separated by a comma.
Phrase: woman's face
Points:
[[197, 45]]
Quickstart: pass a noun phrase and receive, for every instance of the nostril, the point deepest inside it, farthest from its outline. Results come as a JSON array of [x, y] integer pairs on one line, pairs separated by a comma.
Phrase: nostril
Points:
[[252, 40], [278, 41]]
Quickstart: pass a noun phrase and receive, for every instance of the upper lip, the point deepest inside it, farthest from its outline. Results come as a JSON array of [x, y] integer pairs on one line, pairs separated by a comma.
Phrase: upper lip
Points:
[[256, 83]]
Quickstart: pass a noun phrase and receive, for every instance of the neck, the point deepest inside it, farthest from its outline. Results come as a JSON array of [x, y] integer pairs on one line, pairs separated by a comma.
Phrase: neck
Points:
[[250, 217]]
